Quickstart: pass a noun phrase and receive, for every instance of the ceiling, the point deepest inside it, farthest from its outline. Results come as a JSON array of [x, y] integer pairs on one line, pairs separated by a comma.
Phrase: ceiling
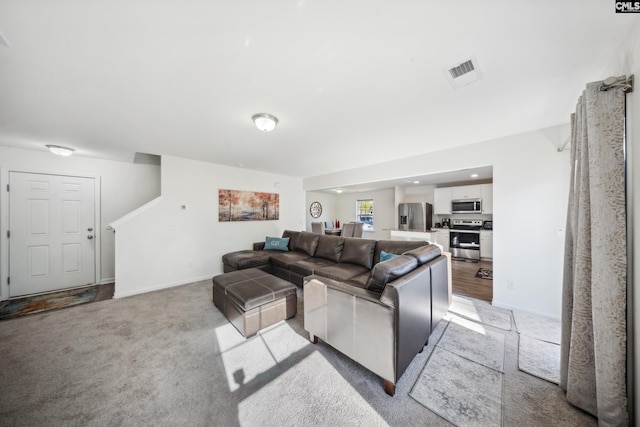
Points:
[[352, 83], [479, 175]]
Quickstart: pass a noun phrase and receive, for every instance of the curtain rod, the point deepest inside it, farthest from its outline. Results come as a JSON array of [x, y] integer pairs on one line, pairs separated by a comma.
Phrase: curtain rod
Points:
[[625, 83], [609, 83]]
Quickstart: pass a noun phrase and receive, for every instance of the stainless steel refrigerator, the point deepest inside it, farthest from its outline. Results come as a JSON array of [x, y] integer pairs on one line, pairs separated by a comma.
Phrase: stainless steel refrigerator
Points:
[[413, 217]]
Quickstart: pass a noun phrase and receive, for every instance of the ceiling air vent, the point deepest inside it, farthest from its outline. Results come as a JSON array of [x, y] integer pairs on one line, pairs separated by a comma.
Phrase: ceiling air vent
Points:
[[463, 73], [464, 68]]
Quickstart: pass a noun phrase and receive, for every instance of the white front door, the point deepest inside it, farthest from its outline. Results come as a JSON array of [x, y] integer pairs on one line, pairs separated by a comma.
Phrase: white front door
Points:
[[51, 232]]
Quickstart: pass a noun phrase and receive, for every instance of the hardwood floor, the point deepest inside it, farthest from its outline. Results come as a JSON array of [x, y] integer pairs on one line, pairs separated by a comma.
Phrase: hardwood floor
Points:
[[465, 282]]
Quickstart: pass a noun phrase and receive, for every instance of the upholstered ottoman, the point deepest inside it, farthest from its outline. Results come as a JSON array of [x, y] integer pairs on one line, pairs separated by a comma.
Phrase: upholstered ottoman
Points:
[[253, 299], [241, 260]]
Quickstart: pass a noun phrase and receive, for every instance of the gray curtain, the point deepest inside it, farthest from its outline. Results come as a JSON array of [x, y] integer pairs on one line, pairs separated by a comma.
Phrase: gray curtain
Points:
[[593, 350]]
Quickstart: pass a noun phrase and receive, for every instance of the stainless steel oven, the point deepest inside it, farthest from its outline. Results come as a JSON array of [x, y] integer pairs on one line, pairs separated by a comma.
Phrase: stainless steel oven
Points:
[[464, 238]]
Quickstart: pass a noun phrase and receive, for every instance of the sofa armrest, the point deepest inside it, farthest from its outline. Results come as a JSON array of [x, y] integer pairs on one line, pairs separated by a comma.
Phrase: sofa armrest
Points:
[[353, 321], [258, 246], [348, 289]]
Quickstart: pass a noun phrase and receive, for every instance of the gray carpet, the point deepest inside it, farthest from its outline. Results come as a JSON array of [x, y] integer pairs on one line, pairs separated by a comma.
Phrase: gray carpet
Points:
[[171, 358]]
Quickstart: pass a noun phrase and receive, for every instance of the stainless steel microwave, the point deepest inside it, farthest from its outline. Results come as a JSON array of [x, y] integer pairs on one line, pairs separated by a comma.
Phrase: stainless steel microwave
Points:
[[466, 206]]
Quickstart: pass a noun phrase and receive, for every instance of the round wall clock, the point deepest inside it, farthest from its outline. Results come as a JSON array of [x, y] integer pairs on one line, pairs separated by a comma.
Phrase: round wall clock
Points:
[[315, 209]]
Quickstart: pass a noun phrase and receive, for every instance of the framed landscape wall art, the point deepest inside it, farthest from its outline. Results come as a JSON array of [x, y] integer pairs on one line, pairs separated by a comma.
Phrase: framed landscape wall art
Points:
[[238, 205]]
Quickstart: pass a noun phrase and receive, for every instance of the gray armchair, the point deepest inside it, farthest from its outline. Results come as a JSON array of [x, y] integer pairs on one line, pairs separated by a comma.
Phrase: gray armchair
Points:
[[328, 224], [317, 227]]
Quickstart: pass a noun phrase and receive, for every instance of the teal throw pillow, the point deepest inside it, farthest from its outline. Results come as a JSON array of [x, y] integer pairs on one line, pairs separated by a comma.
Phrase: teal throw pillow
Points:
[[384, 256], [277, 244]]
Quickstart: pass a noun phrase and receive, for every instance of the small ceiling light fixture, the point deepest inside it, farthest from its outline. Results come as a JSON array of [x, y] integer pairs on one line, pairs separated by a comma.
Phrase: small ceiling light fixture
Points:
[[265, 122], [474, 175], [338, 190], [416, 182], [60, 150]]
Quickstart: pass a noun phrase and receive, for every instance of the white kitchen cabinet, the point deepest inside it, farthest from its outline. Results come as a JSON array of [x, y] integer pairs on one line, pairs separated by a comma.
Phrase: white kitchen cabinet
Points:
[[466, 192], [442, 197], [442, 201], [442, 238], [486, 244], [486, 194]]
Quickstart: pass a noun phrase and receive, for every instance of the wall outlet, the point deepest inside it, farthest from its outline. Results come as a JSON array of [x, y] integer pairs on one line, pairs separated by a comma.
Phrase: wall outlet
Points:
[[511, 285]]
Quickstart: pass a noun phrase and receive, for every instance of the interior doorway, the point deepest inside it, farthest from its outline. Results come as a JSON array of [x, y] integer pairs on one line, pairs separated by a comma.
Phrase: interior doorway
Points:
[[467, 279], [52, 236]]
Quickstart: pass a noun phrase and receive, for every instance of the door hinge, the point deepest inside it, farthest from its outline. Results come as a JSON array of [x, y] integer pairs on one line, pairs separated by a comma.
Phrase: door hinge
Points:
[[8, 234], [8, 280], [7, 187]]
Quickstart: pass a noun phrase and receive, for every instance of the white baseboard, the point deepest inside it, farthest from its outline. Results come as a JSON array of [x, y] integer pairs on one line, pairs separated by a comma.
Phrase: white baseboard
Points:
[[159, 287], [107, 280], [528, 310]]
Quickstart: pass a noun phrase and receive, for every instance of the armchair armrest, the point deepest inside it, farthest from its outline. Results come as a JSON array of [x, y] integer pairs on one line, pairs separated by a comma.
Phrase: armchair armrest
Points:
[[258, 246]]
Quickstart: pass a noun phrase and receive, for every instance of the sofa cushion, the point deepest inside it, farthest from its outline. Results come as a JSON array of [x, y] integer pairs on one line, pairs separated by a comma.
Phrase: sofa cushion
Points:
[[307, 242], [308, 266], [424, 254], [240, 260], [341, 272], [384, 256], [387, 271], [360, 281], [286, 259], [293, 238], [330, 247], [395, 247], [358, 251], [276, 244]]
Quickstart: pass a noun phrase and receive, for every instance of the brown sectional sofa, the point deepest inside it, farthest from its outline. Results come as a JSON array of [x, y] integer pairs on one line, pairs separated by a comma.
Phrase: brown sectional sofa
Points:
[[380, 314], [344, 259]]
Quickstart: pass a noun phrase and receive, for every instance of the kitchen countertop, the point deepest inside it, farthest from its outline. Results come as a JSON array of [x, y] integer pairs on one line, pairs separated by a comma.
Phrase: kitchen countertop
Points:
[[411, 231]]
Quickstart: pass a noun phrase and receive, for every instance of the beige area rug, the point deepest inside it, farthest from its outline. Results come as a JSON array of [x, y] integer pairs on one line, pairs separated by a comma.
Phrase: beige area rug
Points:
[[463, 378], [481, 311], [539, 345], [461, 391]]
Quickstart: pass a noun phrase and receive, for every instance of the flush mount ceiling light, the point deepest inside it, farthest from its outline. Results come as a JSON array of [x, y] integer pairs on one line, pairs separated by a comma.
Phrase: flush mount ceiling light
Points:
[[60, 150], [338, 190], [265, 122], [474, 175]]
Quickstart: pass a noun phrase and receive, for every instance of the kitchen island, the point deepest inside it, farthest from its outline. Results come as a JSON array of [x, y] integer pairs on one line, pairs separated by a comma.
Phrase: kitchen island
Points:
[[438, 236], [435, 235], [429, 236]]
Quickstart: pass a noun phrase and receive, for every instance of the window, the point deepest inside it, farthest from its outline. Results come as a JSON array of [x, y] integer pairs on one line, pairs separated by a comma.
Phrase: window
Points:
[[364, 213]]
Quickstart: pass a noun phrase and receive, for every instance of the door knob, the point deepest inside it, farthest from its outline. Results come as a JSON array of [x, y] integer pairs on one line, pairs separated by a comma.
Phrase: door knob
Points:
[[90, 229], [89, 237]]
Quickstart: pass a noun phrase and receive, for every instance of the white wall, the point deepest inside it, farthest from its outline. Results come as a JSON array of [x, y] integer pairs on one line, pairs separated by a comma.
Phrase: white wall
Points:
[[166, 246], [124, 187], [530, 190], [383, 211], [328, 202]]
